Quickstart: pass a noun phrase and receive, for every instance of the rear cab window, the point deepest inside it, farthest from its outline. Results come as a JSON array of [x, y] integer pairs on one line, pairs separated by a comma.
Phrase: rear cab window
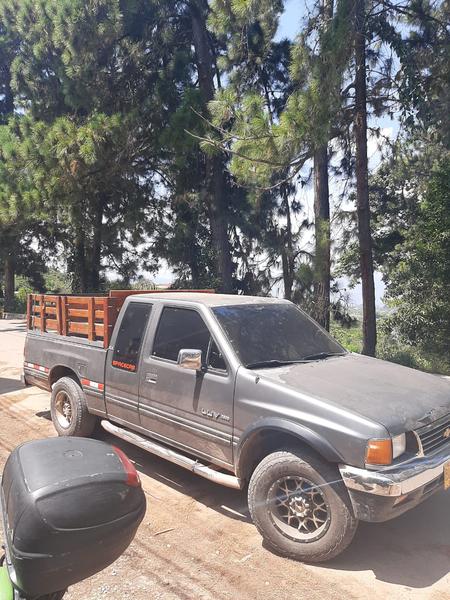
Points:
[[129, 338], [184, 328]]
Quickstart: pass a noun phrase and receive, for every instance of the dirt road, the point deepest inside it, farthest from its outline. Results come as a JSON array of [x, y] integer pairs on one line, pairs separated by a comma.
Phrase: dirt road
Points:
[[197, 542]]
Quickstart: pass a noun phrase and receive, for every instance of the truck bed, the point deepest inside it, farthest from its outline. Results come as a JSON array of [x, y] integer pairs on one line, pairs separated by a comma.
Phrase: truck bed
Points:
[[89, 318], [49, 356]]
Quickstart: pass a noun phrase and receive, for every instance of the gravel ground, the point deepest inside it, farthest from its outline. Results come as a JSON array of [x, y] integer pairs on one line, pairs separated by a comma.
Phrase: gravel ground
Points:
[[197, 541]]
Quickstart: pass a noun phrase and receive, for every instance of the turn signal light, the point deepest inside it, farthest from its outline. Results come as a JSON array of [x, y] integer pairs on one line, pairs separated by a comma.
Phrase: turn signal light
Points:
[[379, 452]]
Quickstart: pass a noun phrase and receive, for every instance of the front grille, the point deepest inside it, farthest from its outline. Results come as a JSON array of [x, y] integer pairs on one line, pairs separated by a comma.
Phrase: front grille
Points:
[[435, 435]]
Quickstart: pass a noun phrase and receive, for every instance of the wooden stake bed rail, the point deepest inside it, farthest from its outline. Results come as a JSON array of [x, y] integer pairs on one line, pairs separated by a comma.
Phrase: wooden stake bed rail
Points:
[[88, 317]]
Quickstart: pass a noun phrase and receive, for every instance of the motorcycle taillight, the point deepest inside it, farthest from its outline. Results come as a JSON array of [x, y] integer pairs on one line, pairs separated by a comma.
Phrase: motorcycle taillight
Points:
[[132, 475]]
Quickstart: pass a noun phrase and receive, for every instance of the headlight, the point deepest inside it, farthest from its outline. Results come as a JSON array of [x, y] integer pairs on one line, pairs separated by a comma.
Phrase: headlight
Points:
[[398, 445], [383, 452]]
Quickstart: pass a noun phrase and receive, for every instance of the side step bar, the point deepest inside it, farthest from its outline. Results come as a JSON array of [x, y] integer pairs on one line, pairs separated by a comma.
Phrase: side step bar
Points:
[[171, 455]]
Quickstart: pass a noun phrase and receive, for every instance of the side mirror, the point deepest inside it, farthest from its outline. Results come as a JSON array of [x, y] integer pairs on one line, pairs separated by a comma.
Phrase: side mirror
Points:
[[190, 359]]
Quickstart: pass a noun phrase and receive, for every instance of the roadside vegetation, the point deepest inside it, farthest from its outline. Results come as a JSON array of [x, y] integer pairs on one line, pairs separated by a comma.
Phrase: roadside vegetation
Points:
[[136, 134], [391, 348]]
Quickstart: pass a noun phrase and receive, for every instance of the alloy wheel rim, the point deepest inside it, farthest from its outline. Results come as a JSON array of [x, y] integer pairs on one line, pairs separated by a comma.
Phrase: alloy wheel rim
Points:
[[299, 509]]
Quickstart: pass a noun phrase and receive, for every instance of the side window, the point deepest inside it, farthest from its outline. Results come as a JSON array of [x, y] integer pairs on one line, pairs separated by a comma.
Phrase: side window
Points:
[[129, 339], [180, 328], [216, 360]]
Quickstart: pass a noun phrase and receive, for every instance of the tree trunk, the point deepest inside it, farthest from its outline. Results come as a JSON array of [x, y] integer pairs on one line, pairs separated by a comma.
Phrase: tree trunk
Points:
[[193, 255], [216, 184], [287, 277], [96, 253], [217, 210], [322, 271], [322, 274], [287, 251], [9, 283], [195, 275], [79, 271], [362, 186]]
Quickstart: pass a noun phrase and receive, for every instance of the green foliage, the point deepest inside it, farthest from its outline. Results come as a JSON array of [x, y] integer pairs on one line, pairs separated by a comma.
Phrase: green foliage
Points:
[[349, 337], [426, 70], [418, 287], [263, 141], [410, 205], [143, 284], [391, 349], [66, 52], [412, 356], [57, 282], [248, 27], [88, 96], [19, 302], [23, 288]]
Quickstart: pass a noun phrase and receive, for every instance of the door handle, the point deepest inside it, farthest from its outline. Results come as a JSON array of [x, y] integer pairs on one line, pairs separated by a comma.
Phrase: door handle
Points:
[[151, 377]]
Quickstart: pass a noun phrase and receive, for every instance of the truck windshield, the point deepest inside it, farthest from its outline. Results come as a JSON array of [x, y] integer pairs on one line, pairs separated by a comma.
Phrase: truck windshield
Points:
[[270, 335]]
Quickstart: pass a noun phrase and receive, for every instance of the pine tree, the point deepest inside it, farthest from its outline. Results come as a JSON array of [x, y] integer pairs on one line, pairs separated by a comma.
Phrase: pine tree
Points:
[[10, 225], [270, 144], [92, 96]]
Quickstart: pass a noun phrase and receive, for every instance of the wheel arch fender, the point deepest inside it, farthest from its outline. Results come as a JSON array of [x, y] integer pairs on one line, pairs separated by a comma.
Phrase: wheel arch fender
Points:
[[59, 371], [249, 445]]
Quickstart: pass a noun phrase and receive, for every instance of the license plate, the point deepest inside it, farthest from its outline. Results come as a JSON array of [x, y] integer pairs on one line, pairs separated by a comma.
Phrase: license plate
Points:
[[447, 476]]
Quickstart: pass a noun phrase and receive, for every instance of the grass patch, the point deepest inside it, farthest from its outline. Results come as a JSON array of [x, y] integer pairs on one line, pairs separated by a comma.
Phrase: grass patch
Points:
[[349, 337]]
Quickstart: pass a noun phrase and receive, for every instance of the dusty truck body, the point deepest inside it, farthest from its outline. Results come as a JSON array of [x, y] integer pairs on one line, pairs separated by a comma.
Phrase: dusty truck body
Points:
[[248, 391]]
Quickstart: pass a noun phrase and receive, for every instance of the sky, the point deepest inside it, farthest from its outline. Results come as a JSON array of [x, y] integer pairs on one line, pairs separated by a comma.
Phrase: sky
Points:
[[294, 11], [289, 26]]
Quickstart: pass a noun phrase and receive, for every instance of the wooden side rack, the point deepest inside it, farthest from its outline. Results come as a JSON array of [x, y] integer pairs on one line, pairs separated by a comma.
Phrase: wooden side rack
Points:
[[88, 317]]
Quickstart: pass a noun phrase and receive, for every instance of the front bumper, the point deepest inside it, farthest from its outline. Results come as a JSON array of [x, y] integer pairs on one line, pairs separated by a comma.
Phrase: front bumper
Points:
[[383, 495]]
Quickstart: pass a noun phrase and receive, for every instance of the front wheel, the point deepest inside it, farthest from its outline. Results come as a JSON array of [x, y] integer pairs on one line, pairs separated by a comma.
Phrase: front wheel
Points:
[[300, 506], [69, 410]]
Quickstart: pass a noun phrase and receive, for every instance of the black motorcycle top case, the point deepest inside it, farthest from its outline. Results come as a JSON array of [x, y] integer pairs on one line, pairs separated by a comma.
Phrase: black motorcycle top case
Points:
[[69, 510]]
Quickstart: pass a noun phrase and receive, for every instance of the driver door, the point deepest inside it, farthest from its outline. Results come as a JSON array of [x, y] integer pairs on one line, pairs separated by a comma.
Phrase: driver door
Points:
[[189, 409]]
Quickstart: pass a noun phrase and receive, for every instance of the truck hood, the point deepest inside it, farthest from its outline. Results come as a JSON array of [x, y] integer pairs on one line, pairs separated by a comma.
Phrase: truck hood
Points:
[[399, 398]]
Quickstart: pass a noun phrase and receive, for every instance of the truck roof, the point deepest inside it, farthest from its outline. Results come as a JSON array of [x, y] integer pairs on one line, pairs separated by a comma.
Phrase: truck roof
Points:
[[210, 299]]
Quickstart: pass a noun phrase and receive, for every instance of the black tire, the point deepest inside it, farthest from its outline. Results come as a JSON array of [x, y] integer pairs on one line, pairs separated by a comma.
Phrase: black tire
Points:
[[77, 420], [276, 514]]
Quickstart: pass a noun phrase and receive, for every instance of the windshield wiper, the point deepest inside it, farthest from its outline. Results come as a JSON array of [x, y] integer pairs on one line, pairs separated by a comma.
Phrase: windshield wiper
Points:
[[271, 363], [320, 355]]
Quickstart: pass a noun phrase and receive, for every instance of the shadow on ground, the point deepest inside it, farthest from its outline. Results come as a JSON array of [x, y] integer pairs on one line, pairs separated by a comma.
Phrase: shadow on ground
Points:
[[44, 414], [17, 328], [232, 503], [412, 550], [8, 385]]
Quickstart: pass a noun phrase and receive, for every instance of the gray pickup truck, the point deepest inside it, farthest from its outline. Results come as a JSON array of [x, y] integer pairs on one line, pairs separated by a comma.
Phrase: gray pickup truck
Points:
[[251, 392]]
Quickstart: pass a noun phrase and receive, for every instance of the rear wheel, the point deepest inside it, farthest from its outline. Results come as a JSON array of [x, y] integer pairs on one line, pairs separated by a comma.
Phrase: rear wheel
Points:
[[69, 411], [300, 506]]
